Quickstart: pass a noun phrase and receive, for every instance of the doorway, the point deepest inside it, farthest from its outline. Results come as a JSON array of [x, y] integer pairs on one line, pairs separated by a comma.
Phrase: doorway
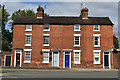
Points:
[[106, 58], [67, 60], [55, 60], [8, 60], [18, 58]]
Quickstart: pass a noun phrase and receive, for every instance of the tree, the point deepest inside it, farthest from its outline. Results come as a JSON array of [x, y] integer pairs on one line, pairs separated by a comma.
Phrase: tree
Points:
[[115, 42], [13, 17], [5, 33]]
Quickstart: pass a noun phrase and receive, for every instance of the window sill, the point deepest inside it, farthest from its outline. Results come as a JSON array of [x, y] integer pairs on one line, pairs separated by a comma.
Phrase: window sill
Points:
[[96, 30], [46, 45], [27, 61], [76, 63], [77, 30], [96, 45], [96, 63], [46, 30], [27, 44], [45, 62], [28, 30], [76, 45]]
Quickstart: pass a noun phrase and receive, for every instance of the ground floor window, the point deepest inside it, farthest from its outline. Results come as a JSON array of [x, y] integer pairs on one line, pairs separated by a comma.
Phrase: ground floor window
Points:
[[27, 57], [45, 57], [77, 56], [96, 57]]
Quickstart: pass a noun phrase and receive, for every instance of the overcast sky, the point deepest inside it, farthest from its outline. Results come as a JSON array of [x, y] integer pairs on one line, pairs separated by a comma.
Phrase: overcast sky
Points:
[[96, 9]]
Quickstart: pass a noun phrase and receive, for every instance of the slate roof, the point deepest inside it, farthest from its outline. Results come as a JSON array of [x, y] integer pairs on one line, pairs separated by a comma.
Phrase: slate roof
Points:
[[63, 20]]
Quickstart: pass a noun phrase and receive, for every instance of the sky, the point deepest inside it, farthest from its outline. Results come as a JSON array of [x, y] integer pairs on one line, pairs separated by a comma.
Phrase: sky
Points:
[[101, 8]]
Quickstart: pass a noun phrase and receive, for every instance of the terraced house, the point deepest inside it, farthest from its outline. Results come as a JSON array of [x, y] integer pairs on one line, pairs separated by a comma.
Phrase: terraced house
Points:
[[65, 42]]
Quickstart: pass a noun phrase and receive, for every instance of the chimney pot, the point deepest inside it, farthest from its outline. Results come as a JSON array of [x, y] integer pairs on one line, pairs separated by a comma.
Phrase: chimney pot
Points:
[[40, 12], [84, 13]]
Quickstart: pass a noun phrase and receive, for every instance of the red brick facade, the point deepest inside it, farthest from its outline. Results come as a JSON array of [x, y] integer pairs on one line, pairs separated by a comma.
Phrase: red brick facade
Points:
[[62, 37]]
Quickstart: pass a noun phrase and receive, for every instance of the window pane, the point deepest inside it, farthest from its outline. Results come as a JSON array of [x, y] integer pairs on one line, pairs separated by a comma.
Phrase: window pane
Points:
[[96, 27], [28, 40], [96, 53], [96, 59], [76, 56], [46, 56], [96, 40], [76, 40], [46, 27], [46, 39], [77, 27], [27, 56], [28, 26]]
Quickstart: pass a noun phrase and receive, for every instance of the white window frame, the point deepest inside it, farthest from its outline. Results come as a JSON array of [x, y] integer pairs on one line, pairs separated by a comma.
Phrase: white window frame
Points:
[[96, 30], [46, 50], [25, 39], [25, 50], [77, 62], [75, 26], [46, 29], [97, 35], [99, 51], [77, 35], [28, 29], [43, 39]]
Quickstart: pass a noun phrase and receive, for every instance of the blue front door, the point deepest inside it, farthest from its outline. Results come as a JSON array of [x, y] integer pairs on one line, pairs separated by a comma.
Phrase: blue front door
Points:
[[67, 60]]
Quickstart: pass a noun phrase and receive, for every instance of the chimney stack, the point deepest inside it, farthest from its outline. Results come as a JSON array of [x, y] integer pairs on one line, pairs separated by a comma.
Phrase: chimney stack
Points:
[[40, 12], [84, 13]]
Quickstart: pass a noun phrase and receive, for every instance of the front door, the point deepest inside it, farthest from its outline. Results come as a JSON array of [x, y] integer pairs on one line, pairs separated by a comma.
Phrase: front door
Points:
[[8, 61], [106, 60], [55, 59], [17, 60], [67, 59]]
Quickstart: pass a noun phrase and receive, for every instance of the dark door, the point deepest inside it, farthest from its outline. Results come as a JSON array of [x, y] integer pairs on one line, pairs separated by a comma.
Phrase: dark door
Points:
[[67, 60], [17, 60], [106, 61], [8, 61]]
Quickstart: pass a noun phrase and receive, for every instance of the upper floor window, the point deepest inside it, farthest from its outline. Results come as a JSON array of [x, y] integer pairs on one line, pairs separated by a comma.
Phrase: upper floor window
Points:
[[28, 39], [77, 56], [46, 39], [77, 27], [28, 28], [96, 56], [46, 27], [77, 40], [96, 40], [96, 28]]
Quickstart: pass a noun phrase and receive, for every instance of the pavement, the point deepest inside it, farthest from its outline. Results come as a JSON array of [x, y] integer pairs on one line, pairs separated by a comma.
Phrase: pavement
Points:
[[59, 73]]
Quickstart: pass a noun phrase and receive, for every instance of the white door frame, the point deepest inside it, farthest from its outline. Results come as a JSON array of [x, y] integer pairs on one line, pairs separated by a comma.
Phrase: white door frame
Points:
[[109, 60], [20, 52], [5, 60], [64, 59], [58, 59]]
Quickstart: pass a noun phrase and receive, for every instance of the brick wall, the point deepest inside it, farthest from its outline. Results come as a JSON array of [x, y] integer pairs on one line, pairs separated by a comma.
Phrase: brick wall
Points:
[[62, 37], [116, 60], [4, 53]]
